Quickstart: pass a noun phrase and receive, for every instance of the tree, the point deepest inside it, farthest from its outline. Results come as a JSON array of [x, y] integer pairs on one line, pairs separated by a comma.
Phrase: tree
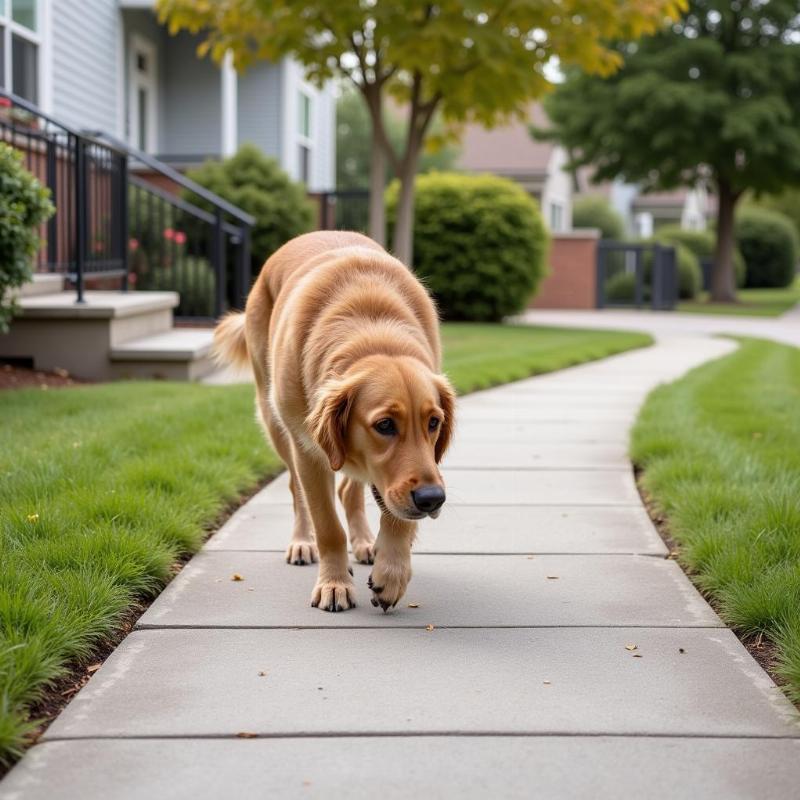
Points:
[[475, 60], [715, 98], [353, 128]]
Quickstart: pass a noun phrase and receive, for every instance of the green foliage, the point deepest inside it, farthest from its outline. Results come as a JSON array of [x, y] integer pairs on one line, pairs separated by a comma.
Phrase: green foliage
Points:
[[595, 211], [717, 92], [479, 241], [769, 244], [353, 133], [787, 203], [701, 243], [24, 206], [103, 488], [477, 355], [257, 185], [721, 462], [620, 288]]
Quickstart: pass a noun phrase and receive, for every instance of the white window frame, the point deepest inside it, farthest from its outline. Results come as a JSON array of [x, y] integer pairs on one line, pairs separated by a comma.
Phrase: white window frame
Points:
[[302, 139], [11, 28], [148, 48], [556, 217]]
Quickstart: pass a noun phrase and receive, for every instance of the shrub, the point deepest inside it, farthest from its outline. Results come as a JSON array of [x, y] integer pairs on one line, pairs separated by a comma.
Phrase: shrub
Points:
[[768, 242], [479, 243], [702, 244], [594, 211], [24, 206], [621, 288], [257, 185]]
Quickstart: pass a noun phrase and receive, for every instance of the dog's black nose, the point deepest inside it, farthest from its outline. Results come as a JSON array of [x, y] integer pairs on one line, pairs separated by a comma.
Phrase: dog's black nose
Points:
[[428, 498]]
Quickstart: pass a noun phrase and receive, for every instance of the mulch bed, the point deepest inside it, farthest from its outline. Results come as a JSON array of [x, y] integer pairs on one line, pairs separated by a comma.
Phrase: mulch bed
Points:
[[762, 649], [13, 377]]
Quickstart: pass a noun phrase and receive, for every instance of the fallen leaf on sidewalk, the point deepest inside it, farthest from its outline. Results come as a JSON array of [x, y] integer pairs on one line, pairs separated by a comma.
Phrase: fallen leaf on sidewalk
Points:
[[429, 627], [236, 577], [546, 683], [262, 674], [246, 735], [637, 655], [413, 605], [553, 577], [93, 668], [631, 647]]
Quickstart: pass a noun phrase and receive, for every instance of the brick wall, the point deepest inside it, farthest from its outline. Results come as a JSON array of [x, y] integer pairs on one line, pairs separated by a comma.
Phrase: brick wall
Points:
[[573, 272]]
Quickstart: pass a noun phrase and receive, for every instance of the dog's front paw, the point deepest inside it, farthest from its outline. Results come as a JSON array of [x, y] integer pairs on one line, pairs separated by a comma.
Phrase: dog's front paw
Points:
[[301, 553], [334, 594], [389, 580], [364, 551]]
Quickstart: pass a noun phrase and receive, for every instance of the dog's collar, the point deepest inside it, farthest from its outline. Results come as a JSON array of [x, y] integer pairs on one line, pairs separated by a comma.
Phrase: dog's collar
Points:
[[378, 499]]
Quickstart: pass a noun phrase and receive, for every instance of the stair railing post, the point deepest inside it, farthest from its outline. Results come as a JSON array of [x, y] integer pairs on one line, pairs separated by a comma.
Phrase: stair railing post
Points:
[[218, 262], [81, 215]]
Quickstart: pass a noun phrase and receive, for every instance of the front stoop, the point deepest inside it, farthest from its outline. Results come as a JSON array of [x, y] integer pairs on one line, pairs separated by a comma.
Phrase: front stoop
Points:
[[111, 335]]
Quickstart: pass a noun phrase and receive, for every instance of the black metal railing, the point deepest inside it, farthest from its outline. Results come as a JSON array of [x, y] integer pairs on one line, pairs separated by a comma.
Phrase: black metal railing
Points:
[[344, 210], [123, 218], [636, 274], [201, 252], [87, 180]]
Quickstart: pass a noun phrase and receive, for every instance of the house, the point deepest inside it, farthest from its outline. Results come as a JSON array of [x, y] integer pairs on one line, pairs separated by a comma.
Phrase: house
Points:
[[108, 65], [510, 150]]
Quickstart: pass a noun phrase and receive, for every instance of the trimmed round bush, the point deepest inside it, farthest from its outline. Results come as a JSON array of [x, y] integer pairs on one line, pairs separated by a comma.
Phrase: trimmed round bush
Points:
[[702, 244], [257, 185], [595, 211], [479, 243], [24, 206], [621, 288], [768, 242]]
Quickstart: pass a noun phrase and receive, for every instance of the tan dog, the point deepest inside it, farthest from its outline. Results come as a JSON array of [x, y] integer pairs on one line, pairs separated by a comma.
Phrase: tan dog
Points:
[[344, 344]]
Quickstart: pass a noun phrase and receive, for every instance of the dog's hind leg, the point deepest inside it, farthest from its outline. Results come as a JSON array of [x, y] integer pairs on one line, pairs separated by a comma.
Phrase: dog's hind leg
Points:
[[302, 548], [362, 542]]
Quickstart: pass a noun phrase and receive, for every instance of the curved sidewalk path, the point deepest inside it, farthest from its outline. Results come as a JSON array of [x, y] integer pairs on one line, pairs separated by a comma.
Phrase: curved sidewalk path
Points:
[[569, 657]]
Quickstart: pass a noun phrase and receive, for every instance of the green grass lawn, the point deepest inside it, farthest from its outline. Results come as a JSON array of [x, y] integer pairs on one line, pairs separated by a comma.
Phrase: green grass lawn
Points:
[[720, 450], [103, 488], [477, 356], [752, 302]]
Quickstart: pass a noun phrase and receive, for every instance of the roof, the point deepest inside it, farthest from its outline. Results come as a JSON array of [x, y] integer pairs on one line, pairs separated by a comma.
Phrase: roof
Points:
[[673, 199], [507, 149]]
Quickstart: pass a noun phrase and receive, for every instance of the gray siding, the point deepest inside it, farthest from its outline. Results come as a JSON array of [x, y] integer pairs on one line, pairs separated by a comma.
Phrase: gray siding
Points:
[[259, 106], [192, 100], [87, 63]]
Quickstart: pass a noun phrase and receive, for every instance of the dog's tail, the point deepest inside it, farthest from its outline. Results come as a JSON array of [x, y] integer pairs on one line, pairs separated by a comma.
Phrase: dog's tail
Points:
[[230, 344]]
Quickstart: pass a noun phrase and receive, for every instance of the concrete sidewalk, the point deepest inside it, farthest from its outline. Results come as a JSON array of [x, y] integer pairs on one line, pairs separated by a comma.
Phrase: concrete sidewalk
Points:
[[568, 656]]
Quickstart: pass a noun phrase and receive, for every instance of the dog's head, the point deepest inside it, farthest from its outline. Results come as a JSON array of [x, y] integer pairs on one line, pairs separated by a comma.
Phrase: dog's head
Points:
[[388, 422]]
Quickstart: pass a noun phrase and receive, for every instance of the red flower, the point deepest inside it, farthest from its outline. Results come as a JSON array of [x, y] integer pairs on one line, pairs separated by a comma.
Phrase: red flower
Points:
[[180, 237], [133, 245], [5, 102], [169, 233]]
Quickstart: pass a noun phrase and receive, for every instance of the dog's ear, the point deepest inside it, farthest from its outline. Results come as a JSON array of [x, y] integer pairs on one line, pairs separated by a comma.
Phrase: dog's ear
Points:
[[447, 400], [327, 422]]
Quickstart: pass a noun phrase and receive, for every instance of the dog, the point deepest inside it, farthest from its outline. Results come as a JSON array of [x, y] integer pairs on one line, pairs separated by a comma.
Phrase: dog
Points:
[[344, 345]]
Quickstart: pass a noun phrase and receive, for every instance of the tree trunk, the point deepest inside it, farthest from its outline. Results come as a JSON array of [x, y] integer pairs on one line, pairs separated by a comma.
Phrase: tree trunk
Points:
[[723, 277], [403, 244], [377, 186]]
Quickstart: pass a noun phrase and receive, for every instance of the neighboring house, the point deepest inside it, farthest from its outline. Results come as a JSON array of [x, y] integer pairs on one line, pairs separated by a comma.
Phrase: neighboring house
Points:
[[645, 212], [510, 151], [109, 65]]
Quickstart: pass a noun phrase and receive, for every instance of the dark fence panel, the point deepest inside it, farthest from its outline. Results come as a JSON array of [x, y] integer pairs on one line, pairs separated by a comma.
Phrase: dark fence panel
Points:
[[636, 275], [345, 210]]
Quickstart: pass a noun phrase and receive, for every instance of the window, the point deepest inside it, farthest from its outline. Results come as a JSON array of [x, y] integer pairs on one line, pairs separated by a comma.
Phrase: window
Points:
[[305, 115], [305, 163], [556, 217], [19, 48]]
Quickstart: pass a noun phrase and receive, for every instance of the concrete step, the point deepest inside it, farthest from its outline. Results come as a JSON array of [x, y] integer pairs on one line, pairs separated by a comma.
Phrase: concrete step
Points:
[[54, 331], [177, 354], [42, 283]]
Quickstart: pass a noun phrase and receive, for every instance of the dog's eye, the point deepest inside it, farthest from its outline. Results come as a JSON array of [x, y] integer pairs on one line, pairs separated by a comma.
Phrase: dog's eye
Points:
[[433, 424], [386, 427]]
